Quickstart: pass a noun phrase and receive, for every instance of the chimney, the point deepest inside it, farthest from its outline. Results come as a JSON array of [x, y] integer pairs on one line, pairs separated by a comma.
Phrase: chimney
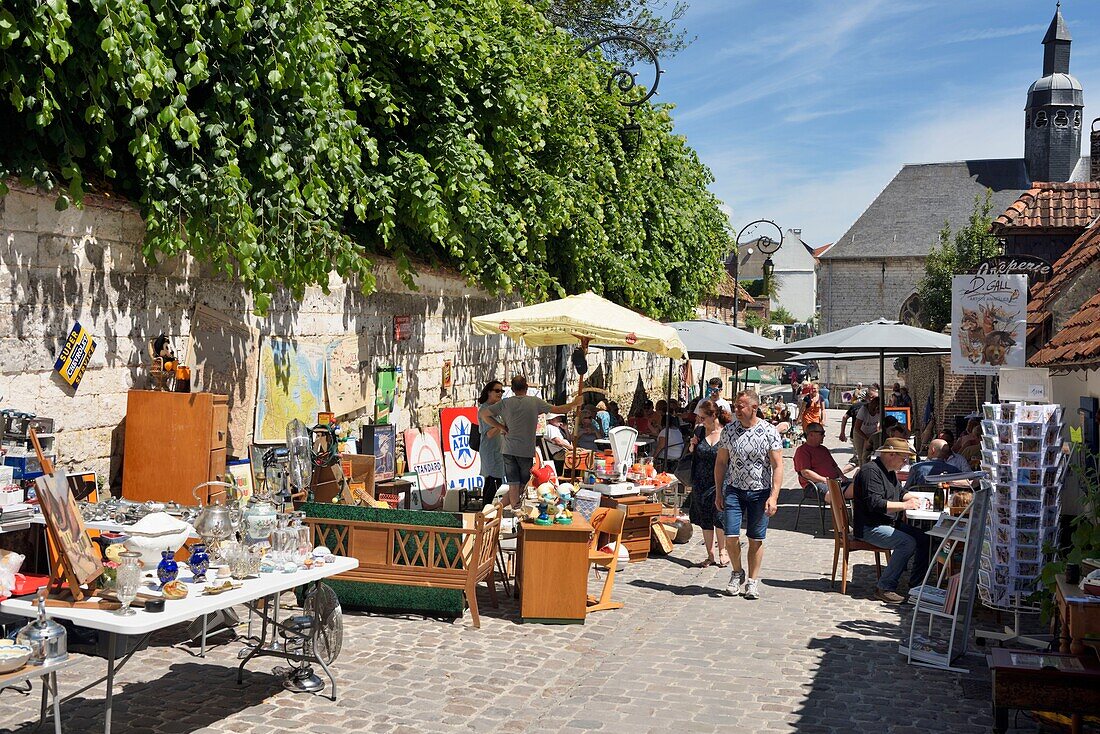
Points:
[[1094, 150]]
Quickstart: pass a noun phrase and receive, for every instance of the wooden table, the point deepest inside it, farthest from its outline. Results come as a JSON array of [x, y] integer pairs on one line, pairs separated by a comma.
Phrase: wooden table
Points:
[[48, 674], [1020, 684], [1078, 619], [552, 571]]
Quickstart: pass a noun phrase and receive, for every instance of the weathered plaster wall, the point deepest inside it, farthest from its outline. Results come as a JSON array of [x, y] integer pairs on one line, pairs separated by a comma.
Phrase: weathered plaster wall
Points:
[[85, 265]]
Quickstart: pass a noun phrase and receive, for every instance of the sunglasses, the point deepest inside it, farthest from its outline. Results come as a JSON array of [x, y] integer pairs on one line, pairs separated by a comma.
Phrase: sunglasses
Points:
[[497, 390]]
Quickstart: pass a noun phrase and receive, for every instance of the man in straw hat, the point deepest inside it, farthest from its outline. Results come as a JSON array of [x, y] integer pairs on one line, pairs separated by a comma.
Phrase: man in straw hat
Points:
[[878, 501]]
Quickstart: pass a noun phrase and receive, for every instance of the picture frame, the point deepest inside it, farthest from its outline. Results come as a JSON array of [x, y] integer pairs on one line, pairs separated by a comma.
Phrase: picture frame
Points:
[[380, 439], [65, 524], [902, 413]]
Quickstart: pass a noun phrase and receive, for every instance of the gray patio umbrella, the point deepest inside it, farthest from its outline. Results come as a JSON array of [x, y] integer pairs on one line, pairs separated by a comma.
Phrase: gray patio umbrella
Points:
[[743, 348], [881, 338]]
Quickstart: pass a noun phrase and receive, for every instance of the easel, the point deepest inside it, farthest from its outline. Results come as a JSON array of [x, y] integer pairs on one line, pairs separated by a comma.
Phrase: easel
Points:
[[65, 587]]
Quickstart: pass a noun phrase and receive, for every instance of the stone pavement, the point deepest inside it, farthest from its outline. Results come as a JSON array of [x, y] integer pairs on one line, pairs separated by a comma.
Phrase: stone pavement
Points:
[[680, 656]]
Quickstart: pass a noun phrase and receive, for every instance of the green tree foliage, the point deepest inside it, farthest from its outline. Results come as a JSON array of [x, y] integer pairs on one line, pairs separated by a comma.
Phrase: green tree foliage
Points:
[[955, 254], [281, 141], [782, 317]]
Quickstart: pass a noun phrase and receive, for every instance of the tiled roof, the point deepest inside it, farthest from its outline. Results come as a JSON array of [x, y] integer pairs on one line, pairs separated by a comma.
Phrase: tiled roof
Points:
[[819, 251], [905, 219], [724, 287], [1052, 206], [1077, 344], [1084, 251]]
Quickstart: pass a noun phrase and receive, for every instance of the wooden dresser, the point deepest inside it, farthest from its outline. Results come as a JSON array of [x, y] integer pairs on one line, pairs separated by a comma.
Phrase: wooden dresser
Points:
[[552, 571], [641, 513], [174, 441]]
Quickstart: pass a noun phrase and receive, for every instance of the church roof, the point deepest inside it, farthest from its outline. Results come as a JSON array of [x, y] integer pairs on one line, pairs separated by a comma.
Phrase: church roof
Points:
[[907, 216], [1052, 206], [1057, 30]]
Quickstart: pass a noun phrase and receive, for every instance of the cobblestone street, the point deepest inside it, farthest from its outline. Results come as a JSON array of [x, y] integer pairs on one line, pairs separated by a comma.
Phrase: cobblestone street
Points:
[[680, 655]]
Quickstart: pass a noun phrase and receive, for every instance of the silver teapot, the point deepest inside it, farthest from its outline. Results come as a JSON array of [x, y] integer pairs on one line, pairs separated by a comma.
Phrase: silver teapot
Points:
[[216, 522], [45, 638]]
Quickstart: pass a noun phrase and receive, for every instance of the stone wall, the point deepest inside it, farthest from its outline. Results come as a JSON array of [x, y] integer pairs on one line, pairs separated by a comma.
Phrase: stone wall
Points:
[[852, 292], [85, 265]]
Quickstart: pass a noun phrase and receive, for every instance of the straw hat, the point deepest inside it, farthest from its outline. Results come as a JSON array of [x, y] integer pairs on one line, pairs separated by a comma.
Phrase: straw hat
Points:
[[896, 446]]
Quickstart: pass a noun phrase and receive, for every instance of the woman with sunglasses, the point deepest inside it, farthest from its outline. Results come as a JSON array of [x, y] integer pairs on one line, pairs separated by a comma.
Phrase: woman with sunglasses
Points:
[[492, 460], [701, 508]]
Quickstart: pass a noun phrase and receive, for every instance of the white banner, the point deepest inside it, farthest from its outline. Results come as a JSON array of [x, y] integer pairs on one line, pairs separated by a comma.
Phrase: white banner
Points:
[[988, 323]]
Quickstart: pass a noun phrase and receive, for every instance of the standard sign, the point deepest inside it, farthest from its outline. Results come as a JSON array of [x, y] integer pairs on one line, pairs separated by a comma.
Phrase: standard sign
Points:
[[75, 355]]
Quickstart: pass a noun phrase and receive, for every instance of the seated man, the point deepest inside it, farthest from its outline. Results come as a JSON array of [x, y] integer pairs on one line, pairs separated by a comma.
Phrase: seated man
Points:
[[557, 440], [958, 462], [815, 465], [877, 503], [921, 470]]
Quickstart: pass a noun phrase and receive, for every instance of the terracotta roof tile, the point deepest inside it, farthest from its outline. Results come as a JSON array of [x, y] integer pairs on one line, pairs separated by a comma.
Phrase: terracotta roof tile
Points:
[[724, 287], [1052, 206], [1077, 344], [819, 251], [1084, 251]]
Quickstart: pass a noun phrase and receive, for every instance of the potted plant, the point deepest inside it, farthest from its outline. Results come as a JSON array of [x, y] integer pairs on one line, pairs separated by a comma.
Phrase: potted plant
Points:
[[1084, 539]]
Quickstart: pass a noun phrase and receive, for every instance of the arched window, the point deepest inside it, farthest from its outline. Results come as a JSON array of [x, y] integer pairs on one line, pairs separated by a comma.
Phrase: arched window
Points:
[[1061, 119], [1041, 118], [910, 311], [1027, 120], [1077, 119]]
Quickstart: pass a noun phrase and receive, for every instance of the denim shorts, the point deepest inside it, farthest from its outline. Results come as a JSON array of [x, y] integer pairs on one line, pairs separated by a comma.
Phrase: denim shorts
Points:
[[747, 506], [517, 469]]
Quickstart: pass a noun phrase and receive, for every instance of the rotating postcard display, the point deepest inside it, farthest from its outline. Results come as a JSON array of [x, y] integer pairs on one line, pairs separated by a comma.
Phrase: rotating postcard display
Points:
[[1022, 452]]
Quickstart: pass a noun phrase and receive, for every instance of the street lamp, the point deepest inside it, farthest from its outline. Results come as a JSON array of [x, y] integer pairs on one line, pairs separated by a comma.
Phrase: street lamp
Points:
[[755, 232]]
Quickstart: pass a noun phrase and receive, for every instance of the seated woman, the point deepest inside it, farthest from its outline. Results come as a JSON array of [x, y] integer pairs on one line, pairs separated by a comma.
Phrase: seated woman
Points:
[[670, 442], [589, 429]]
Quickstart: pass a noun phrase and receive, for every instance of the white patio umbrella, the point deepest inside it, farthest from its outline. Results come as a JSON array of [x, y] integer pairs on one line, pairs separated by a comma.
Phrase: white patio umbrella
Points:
[[880, 338]]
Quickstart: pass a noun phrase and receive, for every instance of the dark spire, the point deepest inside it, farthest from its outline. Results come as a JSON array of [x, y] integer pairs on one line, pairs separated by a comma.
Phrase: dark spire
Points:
[[1056, 42]]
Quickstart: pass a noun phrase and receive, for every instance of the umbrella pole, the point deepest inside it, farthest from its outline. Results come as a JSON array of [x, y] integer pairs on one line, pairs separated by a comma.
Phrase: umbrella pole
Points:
[[881, 394], [577, 416], [703, 381], [668, 408]]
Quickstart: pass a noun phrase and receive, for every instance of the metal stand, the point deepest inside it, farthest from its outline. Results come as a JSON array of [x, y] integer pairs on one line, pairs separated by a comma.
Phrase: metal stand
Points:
[[291, 632], [1012, 634], [112, 668]]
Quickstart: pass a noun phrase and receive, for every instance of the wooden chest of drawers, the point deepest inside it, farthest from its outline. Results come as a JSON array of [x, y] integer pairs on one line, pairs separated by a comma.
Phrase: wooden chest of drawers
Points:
[[174, 441], [640, 516]]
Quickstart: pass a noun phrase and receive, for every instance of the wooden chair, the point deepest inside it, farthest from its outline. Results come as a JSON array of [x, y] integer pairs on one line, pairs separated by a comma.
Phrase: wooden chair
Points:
[[607, 523], [843, 540]]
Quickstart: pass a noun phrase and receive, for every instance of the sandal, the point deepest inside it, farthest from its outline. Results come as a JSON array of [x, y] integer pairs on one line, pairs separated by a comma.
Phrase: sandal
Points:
[[723, 564], [705, 564]]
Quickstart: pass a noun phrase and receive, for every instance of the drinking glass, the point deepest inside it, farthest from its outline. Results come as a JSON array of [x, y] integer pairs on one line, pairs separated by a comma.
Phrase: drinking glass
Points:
[[127, 581]]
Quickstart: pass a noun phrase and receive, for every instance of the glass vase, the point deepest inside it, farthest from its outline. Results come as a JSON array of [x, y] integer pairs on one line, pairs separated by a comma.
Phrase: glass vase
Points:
[[127, 580]]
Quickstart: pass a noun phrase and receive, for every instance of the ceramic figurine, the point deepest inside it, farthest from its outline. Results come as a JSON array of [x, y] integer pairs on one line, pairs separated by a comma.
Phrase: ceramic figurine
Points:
[[199, 562], [167, 569], [543, 518]]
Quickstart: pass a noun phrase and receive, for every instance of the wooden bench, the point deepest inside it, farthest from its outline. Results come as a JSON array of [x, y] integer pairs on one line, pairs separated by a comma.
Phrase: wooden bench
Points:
[[418, 555]]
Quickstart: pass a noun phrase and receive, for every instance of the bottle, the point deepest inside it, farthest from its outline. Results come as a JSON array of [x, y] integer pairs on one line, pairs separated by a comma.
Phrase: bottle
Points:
[[183, 378], [937, 499]]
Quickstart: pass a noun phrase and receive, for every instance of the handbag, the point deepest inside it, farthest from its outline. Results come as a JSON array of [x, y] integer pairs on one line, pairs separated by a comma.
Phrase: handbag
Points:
[[475, 437]]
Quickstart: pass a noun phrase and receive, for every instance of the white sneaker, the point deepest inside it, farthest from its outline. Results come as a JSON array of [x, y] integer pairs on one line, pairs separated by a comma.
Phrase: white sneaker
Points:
[[751, 592], [733, 588]]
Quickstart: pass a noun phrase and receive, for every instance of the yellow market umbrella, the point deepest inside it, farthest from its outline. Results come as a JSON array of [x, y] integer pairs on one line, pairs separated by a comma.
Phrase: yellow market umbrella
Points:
[[588, 320]]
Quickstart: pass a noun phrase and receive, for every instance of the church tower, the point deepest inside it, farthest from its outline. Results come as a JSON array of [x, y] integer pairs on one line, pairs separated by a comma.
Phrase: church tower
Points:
[[1052, 118]]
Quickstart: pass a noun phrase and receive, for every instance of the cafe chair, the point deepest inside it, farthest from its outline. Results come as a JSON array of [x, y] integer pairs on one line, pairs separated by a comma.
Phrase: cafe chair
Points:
[[608, 526], [843, 540], [806, 492]]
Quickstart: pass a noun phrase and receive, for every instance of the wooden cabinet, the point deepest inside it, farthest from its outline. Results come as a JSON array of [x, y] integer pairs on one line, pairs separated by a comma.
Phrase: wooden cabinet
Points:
[[552, 571], [174, 441], [640, 516]]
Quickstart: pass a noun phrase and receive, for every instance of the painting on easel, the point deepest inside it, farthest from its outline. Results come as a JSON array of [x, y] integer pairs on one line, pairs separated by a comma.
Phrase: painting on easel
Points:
[[66, 528]]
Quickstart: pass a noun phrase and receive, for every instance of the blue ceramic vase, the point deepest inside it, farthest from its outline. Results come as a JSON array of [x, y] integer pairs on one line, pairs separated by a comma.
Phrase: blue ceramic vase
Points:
[[167, 569], [198, 562]]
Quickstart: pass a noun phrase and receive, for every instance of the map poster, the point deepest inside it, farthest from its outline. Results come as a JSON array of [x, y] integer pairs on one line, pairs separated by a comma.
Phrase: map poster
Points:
[[461, 464], [75, 355], [291, 385], [344, 383], [988, 317], [426, 459]]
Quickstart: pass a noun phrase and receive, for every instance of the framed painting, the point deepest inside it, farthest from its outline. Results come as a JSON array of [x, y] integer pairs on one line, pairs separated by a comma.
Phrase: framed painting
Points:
[[381, 441], [902, 414], [66, 527]]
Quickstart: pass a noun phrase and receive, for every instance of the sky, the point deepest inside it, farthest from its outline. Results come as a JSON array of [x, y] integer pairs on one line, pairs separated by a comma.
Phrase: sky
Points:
[[805, 109]]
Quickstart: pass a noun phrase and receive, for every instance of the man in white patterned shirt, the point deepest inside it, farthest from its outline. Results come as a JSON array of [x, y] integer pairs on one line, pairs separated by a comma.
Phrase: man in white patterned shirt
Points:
[[748, 473]]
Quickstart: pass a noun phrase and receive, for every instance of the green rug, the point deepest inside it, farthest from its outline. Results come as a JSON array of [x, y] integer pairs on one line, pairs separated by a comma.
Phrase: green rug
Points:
[[390, 597]]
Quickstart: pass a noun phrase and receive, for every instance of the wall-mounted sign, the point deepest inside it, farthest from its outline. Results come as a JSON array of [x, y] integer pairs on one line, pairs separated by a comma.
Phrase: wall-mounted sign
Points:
[[988, 320], [448, 379], [1036, 269], [461, 462], [75, 355], [426, 459], [402, 328]]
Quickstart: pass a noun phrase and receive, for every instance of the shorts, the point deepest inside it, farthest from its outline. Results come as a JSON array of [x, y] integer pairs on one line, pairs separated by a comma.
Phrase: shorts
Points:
[[749, 507], [518, 468]]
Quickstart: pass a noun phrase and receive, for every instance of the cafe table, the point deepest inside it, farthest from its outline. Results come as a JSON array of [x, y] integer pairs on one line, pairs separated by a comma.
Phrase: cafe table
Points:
[[195, 605], [48, 674]]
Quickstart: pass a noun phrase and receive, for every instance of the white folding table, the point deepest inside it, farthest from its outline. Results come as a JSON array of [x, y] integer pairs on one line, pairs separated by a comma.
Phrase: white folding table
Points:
[[175, 611], [48, 674]]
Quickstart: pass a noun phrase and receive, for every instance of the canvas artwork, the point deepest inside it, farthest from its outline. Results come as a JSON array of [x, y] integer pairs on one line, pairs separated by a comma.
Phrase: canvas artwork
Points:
[[66, 526]]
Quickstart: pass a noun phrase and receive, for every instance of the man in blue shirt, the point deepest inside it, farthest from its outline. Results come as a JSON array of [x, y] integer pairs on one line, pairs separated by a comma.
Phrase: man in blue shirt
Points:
[[921, 470]]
